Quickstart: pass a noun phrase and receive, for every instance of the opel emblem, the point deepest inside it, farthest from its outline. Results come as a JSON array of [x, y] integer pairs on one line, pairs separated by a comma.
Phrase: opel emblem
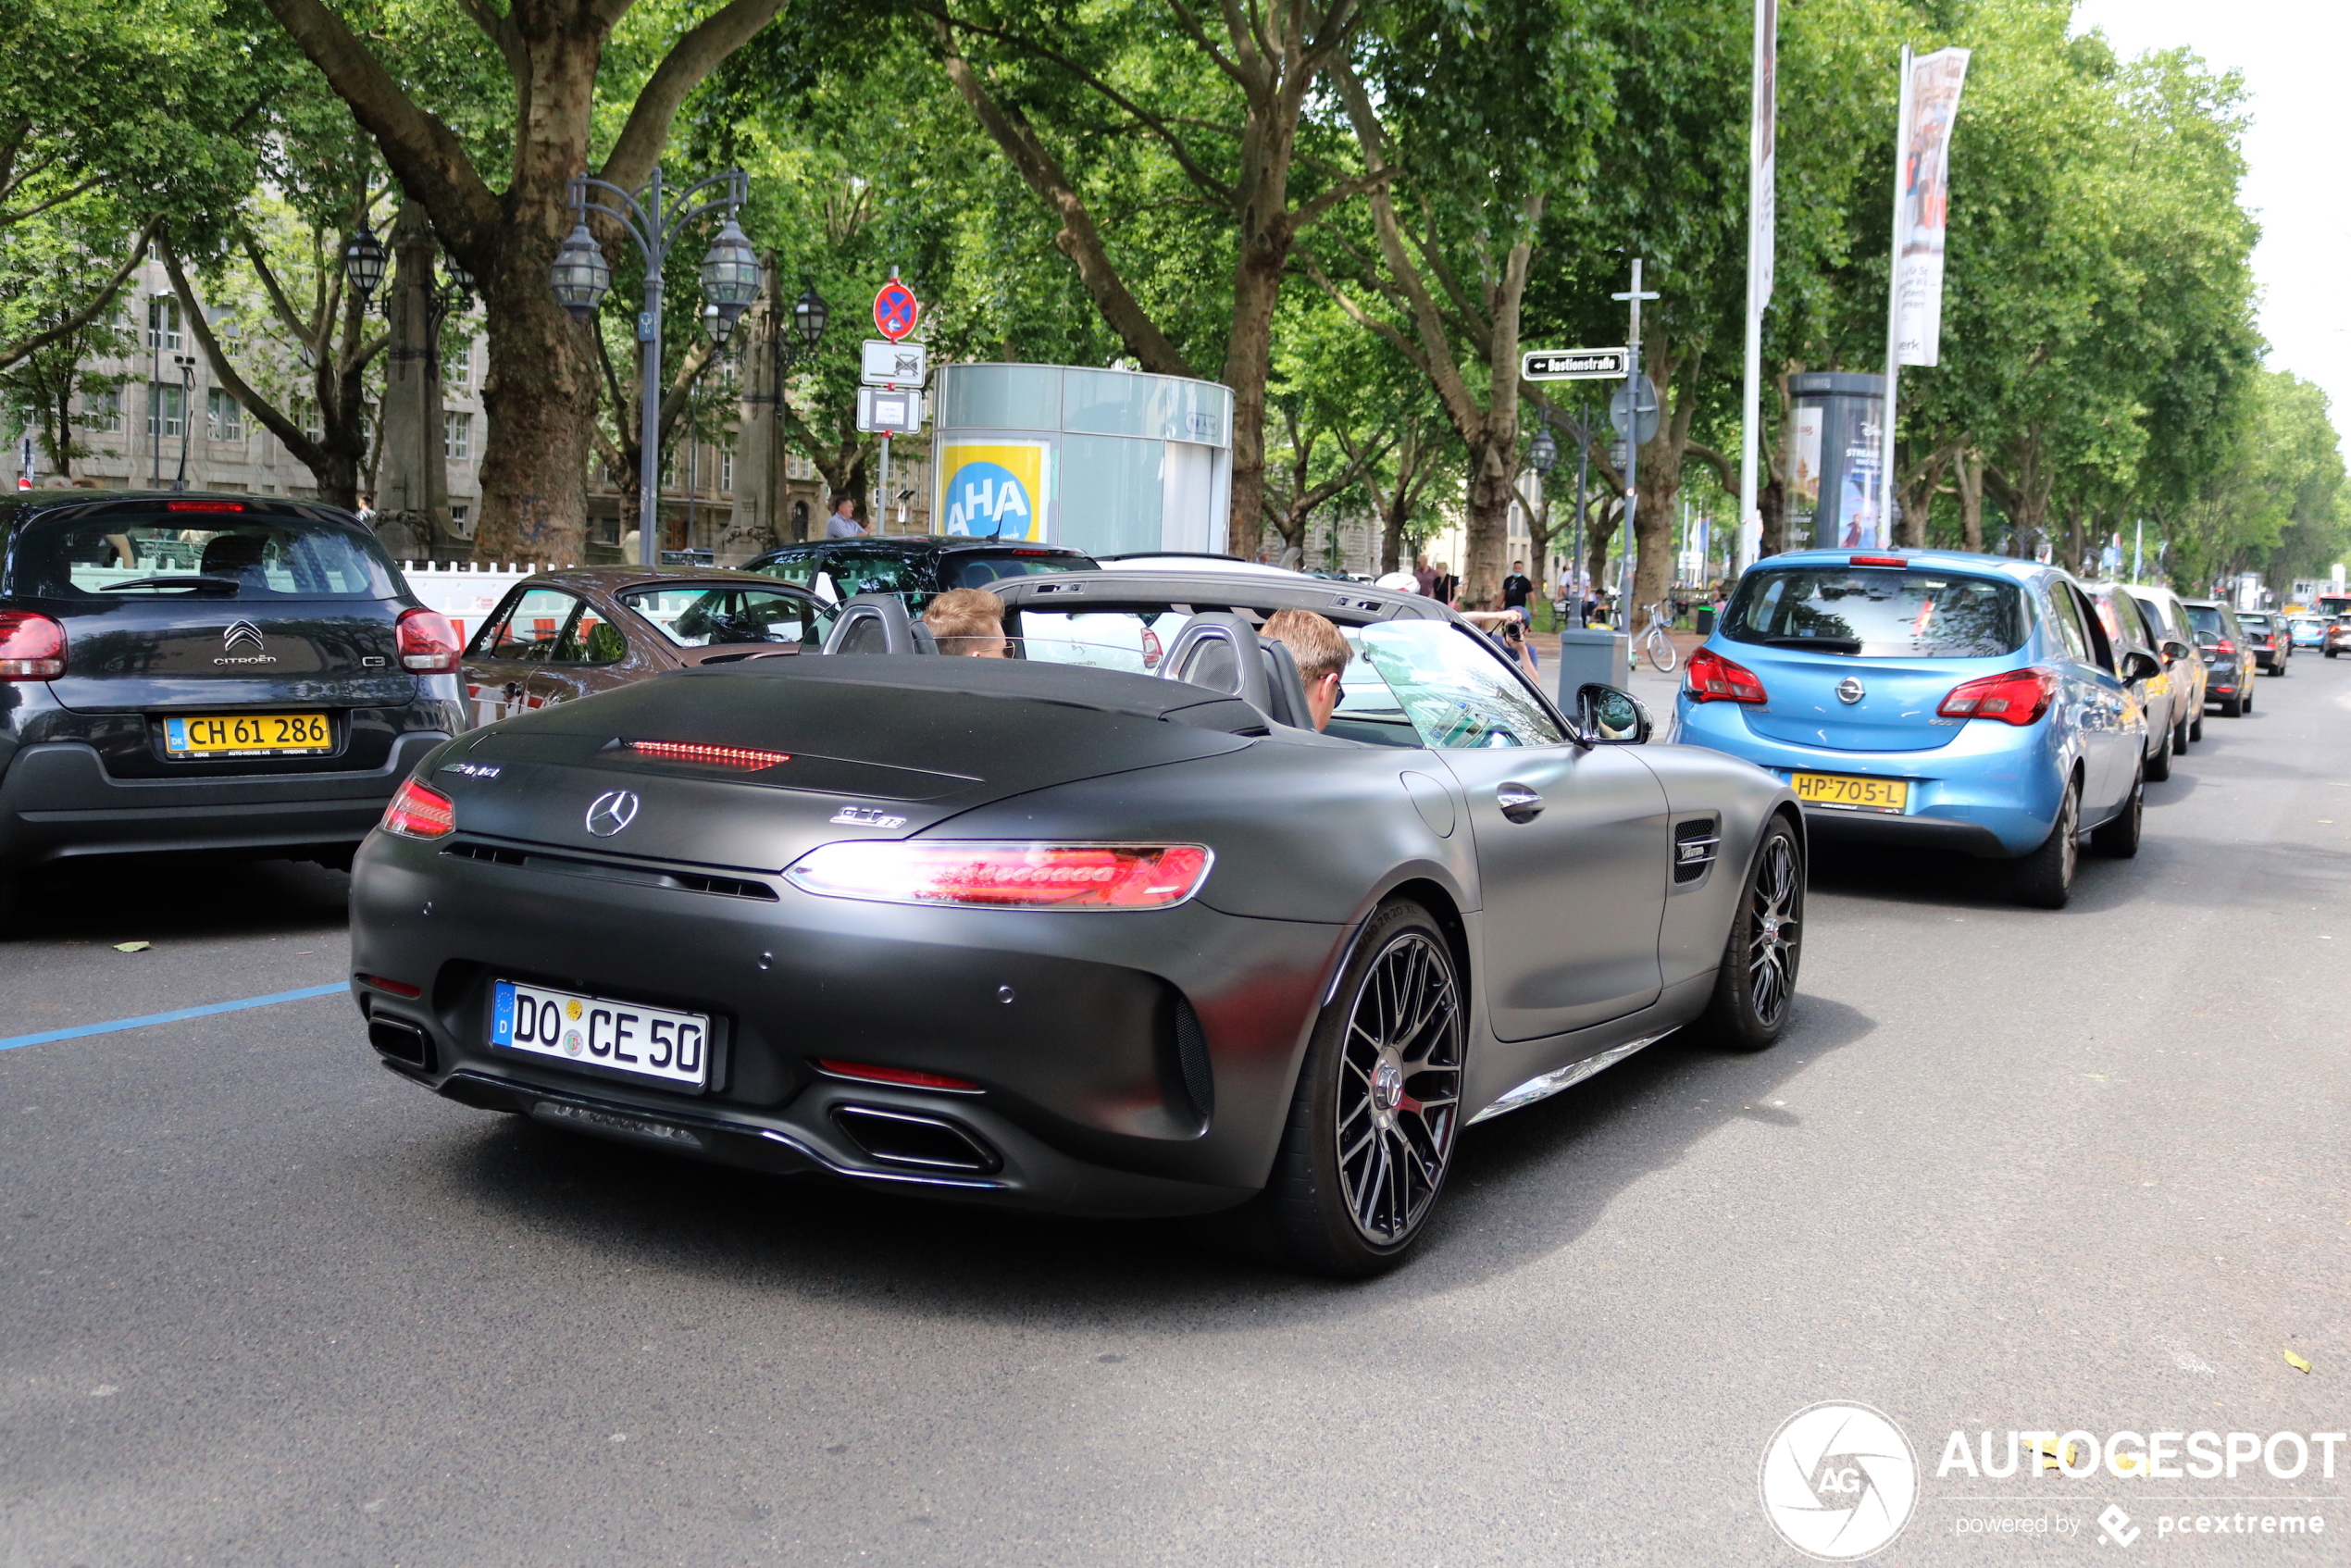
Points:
[[612, 810], [241, 634], [1850, 689]]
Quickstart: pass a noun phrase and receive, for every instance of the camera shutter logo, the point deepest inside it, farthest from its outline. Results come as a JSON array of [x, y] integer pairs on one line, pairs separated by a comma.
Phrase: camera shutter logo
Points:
[[1839, 1481], [611, 811]]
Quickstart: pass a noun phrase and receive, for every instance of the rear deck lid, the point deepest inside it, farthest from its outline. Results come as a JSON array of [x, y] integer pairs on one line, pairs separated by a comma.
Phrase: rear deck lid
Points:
[[206, 604], [1858, 658], [869, 746]]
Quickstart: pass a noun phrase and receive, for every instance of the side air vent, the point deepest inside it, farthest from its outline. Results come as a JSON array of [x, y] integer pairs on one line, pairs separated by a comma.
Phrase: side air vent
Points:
[[1695, 847], [1191, 1061], [927, 1143], [615, 871]]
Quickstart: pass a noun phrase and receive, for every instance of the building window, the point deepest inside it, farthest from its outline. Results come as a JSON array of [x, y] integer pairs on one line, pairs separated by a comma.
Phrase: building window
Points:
[[224, 416], [798, 467], [457, 437], [166, 410], [460, 518], [102, 412], [162, 322], [727, 471], [458, 370], [306, 414]]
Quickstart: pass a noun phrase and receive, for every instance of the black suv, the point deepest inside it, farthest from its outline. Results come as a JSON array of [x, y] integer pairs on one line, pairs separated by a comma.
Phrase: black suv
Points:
[[914, 567], [205, 672], [2227, 654]]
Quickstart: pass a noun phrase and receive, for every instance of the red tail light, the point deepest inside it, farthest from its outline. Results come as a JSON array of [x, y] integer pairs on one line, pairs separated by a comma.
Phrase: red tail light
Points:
[[1713, 678], [905, 1075], [1877, 561], [397, 988], [2017, 696], [203, 506], [427, 642], [31, 647], [416, 812], [2225, 649], [712, 756], [1006, 876]]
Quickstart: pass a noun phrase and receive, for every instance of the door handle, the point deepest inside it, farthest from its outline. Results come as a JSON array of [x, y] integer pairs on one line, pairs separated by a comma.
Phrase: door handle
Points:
[[1519, 802]]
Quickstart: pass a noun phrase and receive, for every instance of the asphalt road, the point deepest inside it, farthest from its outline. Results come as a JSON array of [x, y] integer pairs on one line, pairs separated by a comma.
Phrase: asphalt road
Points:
[[261, 1303]]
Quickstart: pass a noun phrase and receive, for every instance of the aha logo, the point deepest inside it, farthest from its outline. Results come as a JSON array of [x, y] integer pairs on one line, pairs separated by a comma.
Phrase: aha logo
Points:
[[984, 498]]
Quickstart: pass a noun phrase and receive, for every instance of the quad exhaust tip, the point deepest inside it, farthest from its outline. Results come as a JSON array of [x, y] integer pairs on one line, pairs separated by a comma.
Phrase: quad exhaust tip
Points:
[[903, 1139], [401, 1041]]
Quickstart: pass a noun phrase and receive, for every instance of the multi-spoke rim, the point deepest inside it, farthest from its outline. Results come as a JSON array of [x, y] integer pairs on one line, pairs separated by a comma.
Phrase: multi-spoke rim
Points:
[[1773, 931], [2070, 833], [1399, 1087]]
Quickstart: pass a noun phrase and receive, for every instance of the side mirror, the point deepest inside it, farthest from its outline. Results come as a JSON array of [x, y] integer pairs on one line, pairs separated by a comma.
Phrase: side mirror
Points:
[[2139, 665], [2175, 648], [1606, 717]]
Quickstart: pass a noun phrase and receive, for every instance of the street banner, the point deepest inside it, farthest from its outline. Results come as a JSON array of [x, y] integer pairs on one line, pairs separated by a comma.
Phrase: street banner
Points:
[[992, 489], [1923, 203]]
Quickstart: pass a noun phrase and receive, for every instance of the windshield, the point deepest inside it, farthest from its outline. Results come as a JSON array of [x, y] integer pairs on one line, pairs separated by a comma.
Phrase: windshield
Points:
[[250, 558], [1877, 614], [1445, 682], [703, 615], [2206, 619], [1132, 640]]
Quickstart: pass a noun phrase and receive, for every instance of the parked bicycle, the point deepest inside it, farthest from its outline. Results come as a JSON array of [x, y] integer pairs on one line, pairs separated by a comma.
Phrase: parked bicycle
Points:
[[1656, 643]]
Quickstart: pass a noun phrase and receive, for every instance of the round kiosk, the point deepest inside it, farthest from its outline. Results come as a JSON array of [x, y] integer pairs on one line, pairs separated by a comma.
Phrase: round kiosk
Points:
[[1109, 462]]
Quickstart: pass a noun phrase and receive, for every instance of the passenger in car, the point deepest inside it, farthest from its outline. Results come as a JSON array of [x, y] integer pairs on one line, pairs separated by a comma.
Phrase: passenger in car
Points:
[[1321, 653], [969, 621]]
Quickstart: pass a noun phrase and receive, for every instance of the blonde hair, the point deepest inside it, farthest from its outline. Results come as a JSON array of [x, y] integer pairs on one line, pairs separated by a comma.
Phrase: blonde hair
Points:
[[962, 616], [1312, 640]]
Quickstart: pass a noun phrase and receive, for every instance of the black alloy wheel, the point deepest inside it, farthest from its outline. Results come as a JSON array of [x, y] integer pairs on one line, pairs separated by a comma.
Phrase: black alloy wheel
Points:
[[2119, 839], [2180, 739], [1755, 987], [2044, 879], [1378, 1107]]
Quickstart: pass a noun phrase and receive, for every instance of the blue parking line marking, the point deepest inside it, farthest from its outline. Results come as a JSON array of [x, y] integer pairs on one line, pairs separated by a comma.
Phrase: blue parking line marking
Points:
[[12, 1042]]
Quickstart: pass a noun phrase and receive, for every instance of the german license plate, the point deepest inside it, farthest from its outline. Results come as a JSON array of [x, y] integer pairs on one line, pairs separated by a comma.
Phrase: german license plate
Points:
[[648, 1041], [248, 735], [1848, 793]]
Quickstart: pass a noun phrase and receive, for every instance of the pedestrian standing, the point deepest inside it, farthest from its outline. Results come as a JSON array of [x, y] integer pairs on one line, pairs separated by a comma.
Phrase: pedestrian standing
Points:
[[1517, 589], [1445, 588], [843, 523], [1425, 575]]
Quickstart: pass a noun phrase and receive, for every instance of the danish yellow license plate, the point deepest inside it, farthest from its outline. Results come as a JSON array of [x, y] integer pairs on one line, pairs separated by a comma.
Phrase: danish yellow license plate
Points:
[[248, 735], [1850, 793]]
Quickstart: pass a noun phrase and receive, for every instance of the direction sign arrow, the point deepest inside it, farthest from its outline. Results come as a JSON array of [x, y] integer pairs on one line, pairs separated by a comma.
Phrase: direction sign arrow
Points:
[[1573, 364], [896, 309]]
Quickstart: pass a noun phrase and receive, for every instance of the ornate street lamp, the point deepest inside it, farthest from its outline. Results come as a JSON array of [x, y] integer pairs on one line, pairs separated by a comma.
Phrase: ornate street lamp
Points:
[[809, 313], [729, 279], [580, 275], [363, 262]]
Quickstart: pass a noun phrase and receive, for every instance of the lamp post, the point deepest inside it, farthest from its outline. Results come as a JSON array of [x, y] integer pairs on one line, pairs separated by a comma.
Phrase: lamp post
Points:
[[654, 217], [187, 363], [1545, 455]]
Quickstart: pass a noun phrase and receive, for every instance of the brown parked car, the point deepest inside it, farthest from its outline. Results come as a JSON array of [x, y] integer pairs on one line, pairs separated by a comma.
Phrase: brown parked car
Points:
[[564, 634]]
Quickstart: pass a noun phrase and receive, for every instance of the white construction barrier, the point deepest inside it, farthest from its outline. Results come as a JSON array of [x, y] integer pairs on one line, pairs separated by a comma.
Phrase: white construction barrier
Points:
[[464, 592]]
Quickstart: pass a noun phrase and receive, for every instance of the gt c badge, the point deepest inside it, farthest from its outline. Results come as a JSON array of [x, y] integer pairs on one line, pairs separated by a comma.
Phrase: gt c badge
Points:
[[612, 810], [866, 817]]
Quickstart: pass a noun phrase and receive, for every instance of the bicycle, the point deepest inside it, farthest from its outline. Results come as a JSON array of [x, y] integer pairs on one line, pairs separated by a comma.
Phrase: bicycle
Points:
[[1656, 643]]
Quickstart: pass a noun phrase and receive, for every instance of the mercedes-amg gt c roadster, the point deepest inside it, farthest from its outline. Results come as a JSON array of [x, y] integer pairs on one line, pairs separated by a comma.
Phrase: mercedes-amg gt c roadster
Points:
[[1108, 926]]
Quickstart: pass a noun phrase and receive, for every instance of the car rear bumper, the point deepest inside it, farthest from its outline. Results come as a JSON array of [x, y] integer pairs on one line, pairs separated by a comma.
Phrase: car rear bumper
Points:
[[58, 801], [1128, 1063], [1993, 790]]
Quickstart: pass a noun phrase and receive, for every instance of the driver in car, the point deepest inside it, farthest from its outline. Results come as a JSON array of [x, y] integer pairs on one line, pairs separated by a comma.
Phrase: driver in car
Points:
[[968, 621], [1321, 651]]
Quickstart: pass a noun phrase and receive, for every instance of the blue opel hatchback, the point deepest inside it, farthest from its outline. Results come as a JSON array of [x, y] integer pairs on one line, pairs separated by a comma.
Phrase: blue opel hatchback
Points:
[[1962, 702]]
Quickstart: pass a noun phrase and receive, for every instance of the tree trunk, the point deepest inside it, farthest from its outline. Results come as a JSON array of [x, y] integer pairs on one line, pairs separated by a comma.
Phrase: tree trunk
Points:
[[1256, 285], [1969, 475], [1597, 535], [1661, 480]]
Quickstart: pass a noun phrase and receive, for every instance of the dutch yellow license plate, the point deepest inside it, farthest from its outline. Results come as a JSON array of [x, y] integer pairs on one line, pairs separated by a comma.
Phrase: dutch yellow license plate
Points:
[[1843, 791], [247, 735]]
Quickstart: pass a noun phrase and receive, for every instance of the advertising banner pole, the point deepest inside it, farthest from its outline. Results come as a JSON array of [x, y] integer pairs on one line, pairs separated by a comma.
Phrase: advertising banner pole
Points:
[[1762, 200], [1894, 314]]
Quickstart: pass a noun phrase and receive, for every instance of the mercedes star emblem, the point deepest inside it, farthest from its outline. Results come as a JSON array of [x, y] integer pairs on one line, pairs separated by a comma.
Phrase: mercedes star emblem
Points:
[[241, 634], [1850, 689], [613, 810]]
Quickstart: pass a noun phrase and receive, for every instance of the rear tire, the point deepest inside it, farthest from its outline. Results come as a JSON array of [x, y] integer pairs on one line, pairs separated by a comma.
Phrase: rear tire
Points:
[[2156, 766], [2180, 739], [2044, 879], [1755, 987], [2118, 840], [1372, 1120], [2231, 707], [2195, 726], [10, 883]]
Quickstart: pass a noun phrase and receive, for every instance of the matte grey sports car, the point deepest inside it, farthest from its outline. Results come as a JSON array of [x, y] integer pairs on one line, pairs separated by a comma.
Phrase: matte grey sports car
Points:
[[1106, 926]]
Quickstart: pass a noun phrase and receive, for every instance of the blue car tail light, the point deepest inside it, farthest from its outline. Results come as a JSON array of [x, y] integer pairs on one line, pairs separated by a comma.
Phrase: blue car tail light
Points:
[[1713, 678], [2016, 696]]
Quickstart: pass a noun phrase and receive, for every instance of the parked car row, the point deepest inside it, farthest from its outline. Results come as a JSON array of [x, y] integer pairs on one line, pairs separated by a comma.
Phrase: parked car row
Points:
[[1974, 703]]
